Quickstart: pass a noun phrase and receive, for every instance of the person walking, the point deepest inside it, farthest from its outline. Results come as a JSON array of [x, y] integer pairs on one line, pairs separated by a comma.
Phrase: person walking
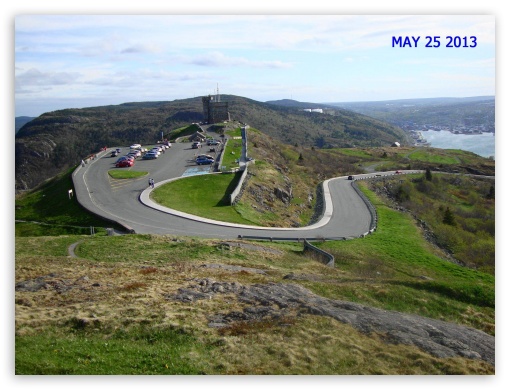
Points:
[[152, 183]]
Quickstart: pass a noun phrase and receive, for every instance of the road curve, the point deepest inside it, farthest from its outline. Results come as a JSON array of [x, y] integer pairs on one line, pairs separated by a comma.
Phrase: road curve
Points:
[[128, 202]]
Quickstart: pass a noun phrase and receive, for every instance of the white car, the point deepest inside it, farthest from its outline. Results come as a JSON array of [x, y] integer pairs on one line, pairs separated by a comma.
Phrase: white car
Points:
[[155, 150], [150, 156], [135, 146], [135, 152]]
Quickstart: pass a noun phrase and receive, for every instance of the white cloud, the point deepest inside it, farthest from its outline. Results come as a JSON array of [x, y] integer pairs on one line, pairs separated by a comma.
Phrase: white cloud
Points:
[[33, 78], [217, 59]]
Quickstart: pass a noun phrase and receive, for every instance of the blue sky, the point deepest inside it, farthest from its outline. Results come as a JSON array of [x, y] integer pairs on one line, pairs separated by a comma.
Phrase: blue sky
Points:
[[64, 61]]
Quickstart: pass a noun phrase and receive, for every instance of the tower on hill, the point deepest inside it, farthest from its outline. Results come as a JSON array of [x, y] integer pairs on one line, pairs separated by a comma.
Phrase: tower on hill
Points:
[[214, 109]]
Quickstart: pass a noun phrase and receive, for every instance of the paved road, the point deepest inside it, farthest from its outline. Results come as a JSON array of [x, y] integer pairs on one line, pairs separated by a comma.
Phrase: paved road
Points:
[[128, 202]]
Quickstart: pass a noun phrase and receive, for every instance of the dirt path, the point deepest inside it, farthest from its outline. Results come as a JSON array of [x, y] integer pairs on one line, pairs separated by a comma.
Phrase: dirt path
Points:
[[72, 247]]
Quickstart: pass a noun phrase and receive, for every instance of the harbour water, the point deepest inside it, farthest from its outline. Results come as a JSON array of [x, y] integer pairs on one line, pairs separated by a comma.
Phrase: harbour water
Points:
[[482, 144]]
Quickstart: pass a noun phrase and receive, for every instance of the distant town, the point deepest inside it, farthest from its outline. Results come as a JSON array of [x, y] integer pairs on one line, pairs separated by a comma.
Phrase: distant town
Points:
[[415, 131]]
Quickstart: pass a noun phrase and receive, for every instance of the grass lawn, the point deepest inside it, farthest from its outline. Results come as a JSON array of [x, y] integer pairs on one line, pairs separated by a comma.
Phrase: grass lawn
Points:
[[207, 196], [232, 154]]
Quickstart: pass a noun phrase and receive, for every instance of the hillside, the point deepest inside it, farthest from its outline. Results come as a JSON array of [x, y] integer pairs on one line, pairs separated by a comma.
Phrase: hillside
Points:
[[448, 112], [58, 140], [21, 121], [391, 305]]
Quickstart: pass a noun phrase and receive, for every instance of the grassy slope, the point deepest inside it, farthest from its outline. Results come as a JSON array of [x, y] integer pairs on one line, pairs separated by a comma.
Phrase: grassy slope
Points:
[[50, 204], [123, 326], [79, 332]]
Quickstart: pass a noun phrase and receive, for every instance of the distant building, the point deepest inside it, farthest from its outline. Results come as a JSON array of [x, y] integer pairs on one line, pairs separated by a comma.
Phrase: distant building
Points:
[[215, 110]]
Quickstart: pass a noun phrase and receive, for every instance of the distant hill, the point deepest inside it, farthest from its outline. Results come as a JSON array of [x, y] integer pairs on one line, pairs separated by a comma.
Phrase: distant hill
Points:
[[335, 128], [471, 111], [303, 105], [21, 121], [58, 140]]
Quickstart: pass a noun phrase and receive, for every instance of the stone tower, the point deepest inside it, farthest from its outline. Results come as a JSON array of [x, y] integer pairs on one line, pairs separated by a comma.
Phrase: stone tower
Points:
[[214, 109]]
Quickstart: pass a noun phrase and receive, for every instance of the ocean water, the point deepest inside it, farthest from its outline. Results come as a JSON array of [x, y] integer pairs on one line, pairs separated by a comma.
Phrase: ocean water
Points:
[[482, 144]]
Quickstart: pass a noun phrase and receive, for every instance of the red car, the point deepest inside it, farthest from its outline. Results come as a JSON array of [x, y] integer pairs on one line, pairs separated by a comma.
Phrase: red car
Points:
[[125, 163]]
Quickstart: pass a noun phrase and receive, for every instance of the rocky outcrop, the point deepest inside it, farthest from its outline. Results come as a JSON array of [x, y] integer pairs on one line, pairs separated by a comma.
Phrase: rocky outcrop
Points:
[[284, 195], [276, 300]]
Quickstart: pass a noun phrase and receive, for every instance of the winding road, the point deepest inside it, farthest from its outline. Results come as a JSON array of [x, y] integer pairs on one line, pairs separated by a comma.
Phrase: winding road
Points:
[[128, 202]]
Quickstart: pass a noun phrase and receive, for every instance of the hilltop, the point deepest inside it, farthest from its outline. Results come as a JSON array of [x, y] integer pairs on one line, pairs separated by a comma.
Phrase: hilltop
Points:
[[58, 140]]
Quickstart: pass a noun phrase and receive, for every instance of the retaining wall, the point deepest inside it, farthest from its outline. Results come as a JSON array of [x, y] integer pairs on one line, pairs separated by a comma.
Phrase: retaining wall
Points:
[[237, 191], [324, 257]]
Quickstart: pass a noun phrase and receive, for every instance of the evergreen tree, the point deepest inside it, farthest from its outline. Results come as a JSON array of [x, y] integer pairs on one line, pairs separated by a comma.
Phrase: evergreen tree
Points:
[[428, 174], [492, 193], [449, 217]]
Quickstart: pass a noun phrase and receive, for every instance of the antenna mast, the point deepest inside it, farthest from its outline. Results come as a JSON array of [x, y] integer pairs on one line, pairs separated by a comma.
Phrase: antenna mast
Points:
[[217, 93]]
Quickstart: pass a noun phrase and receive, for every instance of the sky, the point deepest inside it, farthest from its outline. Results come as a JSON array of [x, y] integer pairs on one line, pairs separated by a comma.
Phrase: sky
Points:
[[79, 60]]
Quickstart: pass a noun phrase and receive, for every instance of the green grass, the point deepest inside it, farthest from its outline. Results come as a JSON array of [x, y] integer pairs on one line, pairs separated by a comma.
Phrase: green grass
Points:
[[232, 154], [207, 196], [50, 204], [405, 274], [136, 351], [234, 133], [354, 152], [118, 174], [425, 156], [182, 132]]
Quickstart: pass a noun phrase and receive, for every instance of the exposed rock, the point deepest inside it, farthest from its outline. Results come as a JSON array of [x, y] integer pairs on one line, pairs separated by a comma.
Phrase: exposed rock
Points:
[[53, 282], [250, 246], [235, 268], [439, 338], [284, 195]]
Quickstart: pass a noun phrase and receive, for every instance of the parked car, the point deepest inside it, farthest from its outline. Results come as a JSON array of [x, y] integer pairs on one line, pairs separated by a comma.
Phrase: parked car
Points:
[[204, 160], [212, 141], [135, 146], [135, 153], [114, 153], [120, 159], [350, 177], [205, 156], [125, 163], [155, 150], [150, 156], [117, 150], [398, 172], [196, 145]]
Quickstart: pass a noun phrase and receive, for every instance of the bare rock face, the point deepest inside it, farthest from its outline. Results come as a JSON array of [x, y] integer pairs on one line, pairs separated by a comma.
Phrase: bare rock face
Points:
[[273, 300], [284, 195]]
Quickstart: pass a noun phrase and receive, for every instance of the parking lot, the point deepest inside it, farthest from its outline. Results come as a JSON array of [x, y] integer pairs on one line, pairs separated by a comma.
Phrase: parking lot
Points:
[[180, 159]]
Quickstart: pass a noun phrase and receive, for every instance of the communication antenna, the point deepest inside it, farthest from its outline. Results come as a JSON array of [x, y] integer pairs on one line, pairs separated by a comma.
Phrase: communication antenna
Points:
[[217, 93]]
